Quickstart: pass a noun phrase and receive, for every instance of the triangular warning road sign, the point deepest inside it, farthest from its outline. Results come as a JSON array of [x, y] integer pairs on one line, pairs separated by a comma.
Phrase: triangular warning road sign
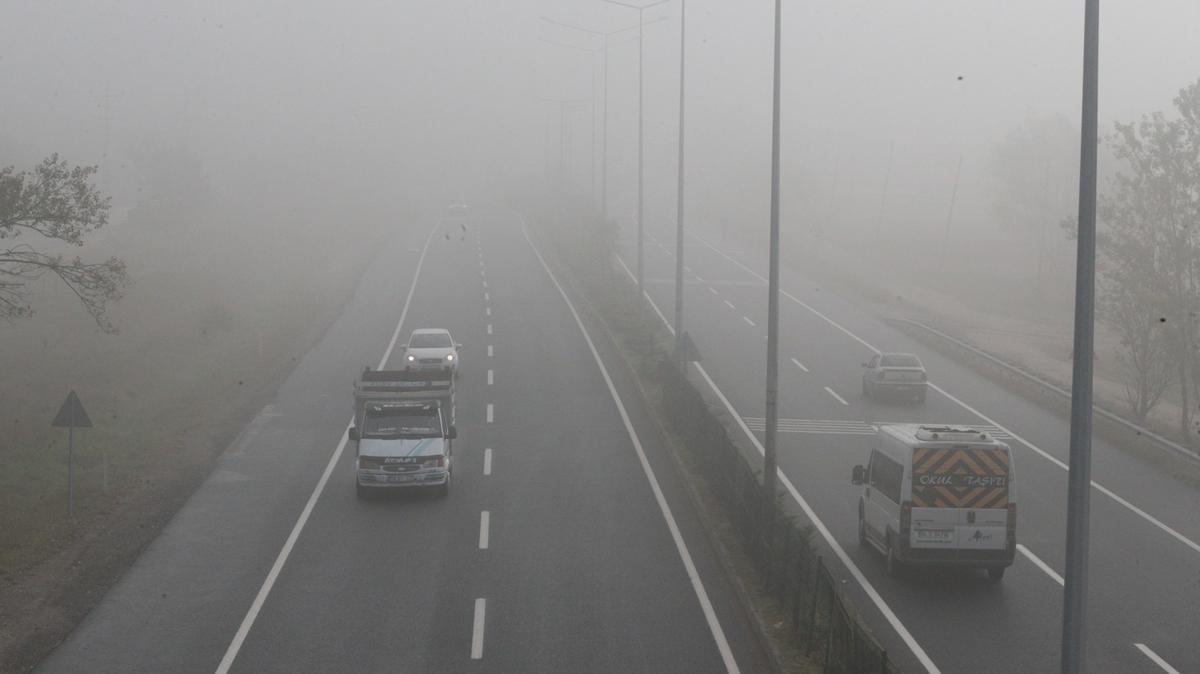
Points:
[[71, 414]]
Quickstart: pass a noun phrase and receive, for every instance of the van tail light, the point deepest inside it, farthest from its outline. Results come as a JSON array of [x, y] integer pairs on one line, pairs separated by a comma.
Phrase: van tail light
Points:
[[1012, 520], [905, 518]]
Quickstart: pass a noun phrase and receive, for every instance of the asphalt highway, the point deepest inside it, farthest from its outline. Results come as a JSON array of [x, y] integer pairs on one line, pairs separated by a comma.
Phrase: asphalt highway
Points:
[[566, 544], [1144, 593]]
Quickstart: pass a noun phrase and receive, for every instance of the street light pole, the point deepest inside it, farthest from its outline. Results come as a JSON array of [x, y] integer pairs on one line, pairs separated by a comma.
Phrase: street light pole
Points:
[[1079, 477], [641, 232], [679, 342], [772, 420]]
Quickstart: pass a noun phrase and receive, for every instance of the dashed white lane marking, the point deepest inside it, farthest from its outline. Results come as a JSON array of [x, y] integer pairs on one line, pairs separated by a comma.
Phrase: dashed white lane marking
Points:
[[265, 589], [750, 322], [490, 413], [1044, 454], [713, 290], [1154, 657], [477, 629], [836, 396], [698, 279], [485, 518], [487, 461], [710, 615], [486, 298], [800, 365], [489, 326], [485, 284], [729, 304], [687, 269], [489, 377], [489, 350], [487, 311], [1037, 561]]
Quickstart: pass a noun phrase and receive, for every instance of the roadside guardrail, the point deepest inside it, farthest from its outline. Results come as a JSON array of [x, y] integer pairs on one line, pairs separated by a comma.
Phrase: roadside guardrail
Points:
[[1155, 438]]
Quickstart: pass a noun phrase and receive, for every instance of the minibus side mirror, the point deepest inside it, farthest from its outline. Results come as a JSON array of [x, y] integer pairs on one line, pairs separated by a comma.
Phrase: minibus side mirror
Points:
[[452, 433], [352, 433], [858, 475]]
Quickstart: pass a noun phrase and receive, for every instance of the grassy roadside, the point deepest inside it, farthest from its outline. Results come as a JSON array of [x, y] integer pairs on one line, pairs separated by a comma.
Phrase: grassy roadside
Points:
[[205, 343]]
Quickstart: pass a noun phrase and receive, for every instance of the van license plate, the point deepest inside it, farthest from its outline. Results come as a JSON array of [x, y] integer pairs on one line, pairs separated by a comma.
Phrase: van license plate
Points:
[[933, 534]]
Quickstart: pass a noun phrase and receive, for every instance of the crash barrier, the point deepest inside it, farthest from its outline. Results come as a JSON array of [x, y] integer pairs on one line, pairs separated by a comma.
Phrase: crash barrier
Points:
[[822, 620], [1061, 393]]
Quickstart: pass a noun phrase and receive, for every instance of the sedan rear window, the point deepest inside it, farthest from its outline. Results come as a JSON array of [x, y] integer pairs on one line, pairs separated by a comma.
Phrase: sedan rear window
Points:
[[900, 360]]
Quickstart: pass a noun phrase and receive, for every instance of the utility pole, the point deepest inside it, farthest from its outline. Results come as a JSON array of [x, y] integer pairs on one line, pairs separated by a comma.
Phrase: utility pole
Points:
[[1079, 478], [772, 420], [950, 214], [887, 178], [679, 340]]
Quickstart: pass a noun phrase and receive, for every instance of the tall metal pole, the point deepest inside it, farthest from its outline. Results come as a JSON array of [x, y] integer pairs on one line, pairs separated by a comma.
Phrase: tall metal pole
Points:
[[70, 462], [772, 420], [887, 179], [1079, 479], [679, 189], [604, 141], [640, 226]]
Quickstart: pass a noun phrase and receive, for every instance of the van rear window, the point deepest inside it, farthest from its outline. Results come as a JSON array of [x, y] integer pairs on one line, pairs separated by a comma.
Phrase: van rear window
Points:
[[960, 477]]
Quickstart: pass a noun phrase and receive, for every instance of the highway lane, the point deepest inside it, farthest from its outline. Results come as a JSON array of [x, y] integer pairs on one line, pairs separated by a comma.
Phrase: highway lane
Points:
[[1144, 581], [572, 568]]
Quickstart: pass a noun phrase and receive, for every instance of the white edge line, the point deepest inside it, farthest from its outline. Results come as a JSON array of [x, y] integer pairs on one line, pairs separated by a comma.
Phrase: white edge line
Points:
[[477, 629], [1156, 659], [710, 615], [853, 569], [1037, 561], [836, 396], [487, 461], [800, 365], [1099, 487], [485, 520], [269, 582]]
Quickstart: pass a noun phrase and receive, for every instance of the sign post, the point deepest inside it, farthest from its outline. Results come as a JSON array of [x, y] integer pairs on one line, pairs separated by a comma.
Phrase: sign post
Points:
[[71, 416]]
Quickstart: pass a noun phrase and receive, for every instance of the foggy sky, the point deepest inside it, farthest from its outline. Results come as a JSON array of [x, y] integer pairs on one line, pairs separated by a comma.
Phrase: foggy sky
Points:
[[449, 91]]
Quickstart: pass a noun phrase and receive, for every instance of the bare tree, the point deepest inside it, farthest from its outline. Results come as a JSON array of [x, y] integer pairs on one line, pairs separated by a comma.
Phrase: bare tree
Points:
[[55, 204]]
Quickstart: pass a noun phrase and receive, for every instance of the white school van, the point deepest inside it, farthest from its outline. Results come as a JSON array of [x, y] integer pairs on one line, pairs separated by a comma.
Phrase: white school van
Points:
[[938, 495]]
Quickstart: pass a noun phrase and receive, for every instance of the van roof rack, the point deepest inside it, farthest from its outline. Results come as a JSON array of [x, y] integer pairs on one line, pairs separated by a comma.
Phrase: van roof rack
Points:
[[929, 432]]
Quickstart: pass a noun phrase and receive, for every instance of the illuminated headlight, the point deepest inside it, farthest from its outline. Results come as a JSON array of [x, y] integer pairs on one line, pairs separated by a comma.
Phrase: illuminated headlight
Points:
[[450, 356], [411, 358]]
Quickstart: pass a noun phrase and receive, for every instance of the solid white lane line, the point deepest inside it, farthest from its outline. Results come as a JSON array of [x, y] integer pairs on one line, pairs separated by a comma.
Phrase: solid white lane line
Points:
[[1049, 457], [484, 522], [811, 514], [263, 591], [800, 365], [489, 377], [487, 461], [1037, 561], [490, 414], [730, 304], [747, 319], [477, 629], [710, 615], [713, 290], [489, 350], [836, 396], [1154, 657], [489, 331]]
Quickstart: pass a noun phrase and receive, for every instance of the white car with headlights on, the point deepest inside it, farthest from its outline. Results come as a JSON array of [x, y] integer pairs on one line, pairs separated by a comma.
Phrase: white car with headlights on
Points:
[[431, 349]]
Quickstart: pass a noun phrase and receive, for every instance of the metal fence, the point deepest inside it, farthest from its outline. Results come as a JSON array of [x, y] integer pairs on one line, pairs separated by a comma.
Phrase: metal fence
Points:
[[823, 621]]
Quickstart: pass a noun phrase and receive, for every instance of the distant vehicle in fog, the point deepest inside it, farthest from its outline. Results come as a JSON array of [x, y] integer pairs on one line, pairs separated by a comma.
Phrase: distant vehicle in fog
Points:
[[458, 210], [431, 349], [895, 373], [938, 495]]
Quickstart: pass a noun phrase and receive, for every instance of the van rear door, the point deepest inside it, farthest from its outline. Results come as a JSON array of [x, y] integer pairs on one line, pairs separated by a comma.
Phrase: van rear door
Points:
[[960, 497]]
